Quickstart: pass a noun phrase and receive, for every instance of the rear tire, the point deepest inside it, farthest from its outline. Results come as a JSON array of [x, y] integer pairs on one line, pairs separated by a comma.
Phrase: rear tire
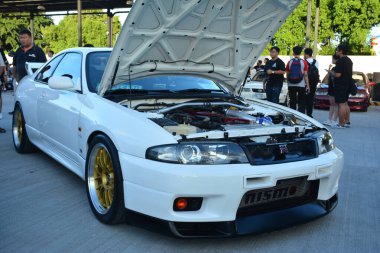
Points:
[[21, 140], [104, 181]]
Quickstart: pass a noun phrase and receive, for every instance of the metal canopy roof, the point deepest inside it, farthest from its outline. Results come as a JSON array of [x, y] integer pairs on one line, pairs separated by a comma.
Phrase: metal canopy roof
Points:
[[36, 6]]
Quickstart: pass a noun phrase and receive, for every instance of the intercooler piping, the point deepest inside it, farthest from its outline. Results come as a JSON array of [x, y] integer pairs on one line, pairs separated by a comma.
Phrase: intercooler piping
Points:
[[168, 109]]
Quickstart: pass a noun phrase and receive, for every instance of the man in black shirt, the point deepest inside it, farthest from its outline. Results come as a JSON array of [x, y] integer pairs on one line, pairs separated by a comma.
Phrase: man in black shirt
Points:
[[275, 70], [342, 82], [28, 52]]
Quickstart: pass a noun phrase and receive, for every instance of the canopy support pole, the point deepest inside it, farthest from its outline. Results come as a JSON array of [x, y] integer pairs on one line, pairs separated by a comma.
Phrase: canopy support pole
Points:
[[308, 23], [32, 26], [316, 28], [79, 5], [110, 28]]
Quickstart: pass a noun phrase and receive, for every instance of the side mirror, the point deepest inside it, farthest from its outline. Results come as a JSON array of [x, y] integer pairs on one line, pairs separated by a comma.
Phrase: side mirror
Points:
[[60, 83]]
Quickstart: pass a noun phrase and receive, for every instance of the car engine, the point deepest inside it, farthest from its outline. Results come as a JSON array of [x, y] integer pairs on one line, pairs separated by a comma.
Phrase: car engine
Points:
[[195, 117]]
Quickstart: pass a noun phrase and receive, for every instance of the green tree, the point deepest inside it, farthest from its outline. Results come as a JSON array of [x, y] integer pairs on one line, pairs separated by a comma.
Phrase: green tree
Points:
[[353, 20], [340, 22], [94, 31], [10, 26]]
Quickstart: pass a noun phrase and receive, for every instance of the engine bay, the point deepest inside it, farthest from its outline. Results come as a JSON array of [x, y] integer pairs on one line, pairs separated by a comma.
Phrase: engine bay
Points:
[[194, 117]]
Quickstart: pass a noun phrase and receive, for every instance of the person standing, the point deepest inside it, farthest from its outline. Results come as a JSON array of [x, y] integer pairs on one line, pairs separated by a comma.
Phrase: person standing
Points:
[[275, 70], [333, 109], [298, 81], [258, 65], [50, 54], [313, 75], [342, 83], [27, 52]]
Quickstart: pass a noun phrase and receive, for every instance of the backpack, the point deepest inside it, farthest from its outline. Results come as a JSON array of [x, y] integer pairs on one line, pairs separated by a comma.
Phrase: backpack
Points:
[[295, 73], [313, 73]]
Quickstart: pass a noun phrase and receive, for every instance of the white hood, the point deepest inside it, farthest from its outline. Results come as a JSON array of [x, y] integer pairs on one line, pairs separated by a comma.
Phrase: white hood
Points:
[[219, 39]]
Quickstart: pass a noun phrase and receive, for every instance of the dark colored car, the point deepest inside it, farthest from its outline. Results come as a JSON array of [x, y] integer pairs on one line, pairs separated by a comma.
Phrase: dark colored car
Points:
[[359, 102]]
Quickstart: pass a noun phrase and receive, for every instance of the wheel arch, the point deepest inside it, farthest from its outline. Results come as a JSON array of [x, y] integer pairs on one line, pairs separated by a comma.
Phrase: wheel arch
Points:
[[94, 134]]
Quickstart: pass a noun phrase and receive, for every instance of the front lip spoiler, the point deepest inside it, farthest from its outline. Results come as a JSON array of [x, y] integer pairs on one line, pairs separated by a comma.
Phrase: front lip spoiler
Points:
[[255, 224]]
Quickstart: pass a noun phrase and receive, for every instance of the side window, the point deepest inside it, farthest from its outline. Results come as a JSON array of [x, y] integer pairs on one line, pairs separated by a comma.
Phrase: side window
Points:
[[70, 66], [47, 71], [95, 64]]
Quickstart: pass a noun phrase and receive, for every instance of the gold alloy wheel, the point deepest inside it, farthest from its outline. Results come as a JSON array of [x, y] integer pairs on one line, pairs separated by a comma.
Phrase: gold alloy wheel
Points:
[[101, 178], [17, 128]]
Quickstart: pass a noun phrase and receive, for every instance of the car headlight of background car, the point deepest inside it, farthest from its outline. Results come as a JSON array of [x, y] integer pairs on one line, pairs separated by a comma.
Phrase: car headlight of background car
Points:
[[198, 153], [325, 142], [359, 95]]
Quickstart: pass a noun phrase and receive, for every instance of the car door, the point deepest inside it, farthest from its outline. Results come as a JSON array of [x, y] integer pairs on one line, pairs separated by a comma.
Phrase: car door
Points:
[[32, 95], [58, 112]]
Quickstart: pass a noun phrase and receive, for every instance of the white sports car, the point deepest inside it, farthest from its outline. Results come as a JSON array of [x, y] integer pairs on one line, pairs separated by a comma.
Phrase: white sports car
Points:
[[253, 88], [153, 126]]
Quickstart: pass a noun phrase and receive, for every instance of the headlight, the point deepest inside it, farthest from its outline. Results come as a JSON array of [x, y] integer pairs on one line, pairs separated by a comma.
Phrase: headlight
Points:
[[198, 153], [358, 95], [321, 93], [325, 142]]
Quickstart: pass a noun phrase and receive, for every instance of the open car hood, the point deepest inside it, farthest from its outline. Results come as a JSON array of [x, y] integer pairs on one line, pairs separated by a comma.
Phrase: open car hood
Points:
[[218, 39]]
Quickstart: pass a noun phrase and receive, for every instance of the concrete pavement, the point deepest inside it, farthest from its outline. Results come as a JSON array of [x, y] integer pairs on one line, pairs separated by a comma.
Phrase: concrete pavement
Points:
[[43, 206]]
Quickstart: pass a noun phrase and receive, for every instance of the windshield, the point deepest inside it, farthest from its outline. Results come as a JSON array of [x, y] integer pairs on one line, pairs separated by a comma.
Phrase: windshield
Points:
[[259, 76], [171, 83], [95, 64], [359, 79]]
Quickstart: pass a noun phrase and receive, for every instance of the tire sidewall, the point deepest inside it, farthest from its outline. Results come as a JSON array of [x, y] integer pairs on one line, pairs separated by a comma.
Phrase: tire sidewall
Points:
[[116, 211]]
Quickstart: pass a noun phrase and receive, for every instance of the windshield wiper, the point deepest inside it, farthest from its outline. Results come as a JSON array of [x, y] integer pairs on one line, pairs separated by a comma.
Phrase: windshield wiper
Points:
[[125, 91], [137, 91], [198, 91]]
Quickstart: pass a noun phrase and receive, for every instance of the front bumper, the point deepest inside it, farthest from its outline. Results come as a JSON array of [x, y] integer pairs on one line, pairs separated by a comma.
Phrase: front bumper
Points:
[[321, 102], [358, 104], [256, 224], [150, 187]]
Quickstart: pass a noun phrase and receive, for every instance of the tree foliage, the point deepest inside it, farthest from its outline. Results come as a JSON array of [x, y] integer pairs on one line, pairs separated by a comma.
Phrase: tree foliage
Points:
[[340, 22], [11, 25], [94, 31]]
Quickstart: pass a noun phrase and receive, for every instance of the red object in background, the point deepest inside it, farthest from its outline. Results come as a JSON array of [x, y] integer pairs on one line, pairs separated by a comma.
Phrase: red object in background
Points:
[[359, 102], [373, 43]]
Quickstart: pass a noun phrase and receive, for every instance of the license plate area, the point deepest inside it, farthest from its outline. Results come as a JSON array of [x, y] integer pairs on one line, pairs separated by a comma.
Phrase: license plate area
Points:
[[286, 194]]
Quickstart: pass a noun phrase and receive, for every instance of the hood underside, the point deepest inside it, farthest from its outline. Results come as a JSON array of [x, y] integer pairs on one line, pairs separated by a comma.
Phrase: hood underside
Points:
[[219, 39]]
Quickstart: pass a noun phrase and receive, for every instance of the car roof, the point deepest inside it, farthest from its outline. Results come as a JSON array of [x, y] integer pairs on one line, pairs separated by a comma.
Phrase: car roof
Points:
[[87, 50]]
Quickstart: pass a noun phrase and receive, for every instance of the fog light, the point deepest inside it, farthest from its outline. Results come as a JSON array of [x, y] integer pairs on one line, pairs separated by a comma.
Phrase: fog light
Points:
[[181, 204], [187, 204]]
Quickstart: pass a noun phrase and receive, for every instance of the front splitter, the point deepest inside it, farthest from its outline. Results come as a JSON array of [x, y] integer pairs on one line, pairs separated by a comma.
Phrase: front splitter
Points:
[[256, 224]]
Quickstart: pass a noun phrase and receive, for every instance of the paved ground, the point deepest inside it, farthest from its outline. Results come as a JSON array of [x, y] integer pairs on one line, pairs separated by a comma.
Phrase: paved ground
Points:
[[43, 207]]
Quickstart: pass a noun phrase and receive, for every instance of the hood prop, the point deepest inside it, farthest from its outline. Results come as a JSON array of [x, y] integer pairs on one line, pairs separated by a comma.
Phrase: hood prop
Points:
[[245, 81]]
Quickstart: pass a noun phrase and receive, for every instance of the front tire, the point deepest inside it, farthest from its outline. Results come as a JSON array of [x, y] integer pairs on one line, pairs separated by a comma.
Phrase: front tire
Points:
[[104, 181], [21, 140]]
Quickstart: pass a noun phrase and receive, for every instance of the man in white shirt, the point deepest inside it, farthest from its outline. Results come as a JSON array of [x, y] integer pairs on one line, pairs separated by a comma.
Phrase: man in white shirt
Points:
[[313, 75]]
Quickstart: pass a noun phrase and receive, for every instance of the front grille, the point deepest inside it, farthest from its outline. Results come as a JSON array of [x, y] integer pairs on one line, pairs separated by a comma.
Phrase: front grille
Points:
[[287, 193], [274, 153]]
